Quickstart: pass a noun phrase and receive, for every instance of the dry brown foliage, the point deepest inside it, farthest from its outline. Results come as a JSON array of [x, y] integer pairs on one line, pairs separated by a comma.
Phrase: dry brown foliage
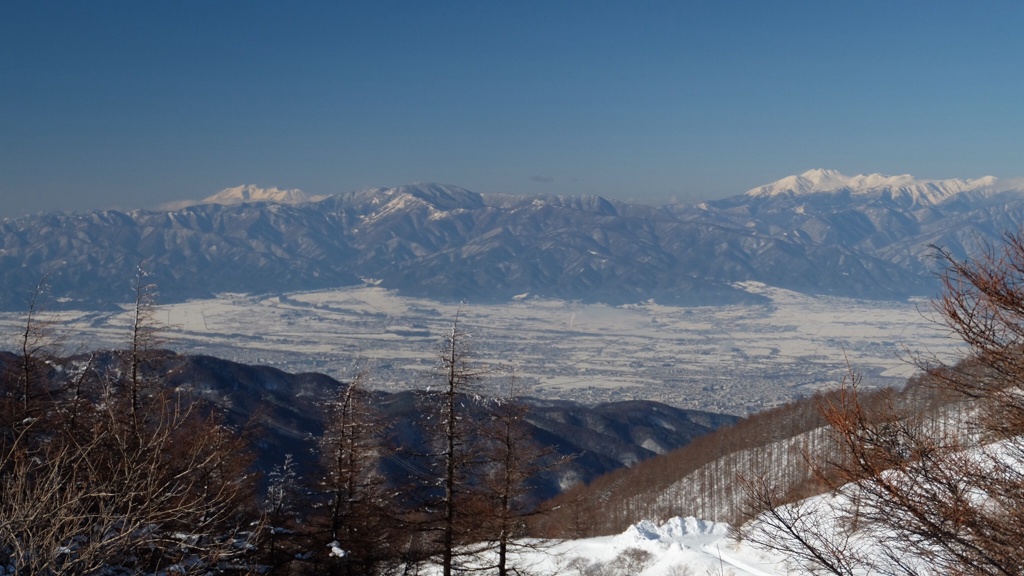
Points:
[[930, 481]]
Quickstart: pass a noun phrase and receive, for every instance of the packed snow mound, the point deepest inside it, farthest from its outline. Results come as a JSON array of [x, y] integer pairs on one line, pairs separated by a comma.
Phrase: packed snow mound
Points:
[[679, 527], [674, 529], [679, 546], [822, 181]]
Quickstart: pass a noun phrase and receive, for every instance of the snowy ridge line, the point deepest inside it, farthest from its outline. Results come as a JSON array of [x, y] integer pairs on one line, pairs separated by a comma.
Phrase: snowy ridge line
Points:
[[822, 181]]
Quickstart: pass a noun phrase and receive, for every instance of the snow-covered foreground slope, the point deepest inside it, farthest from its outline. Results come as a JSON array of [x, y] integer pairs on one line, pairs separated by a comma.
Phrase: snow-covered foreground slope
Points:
[[679, 547]]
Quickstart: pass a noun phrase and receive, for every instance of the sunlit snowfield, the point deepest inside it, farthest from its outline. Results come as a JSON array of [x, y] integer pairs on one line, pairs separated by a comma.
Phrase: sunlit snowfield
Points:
[[734, 359]]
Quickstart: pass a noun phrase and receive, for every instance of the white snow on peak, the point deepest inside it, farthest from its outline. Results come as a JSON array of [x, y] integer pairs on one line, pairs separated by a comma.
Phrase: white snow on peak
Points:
[[247, 193], [253, 193], [822, 181], [441, 197]]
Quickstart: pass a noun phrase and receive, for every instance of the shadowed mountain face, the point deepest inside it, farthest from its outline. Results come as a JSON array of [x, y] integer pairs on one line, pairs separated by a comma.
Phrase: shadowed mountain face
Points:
[[445, 242], [290, 410], [286, 414]]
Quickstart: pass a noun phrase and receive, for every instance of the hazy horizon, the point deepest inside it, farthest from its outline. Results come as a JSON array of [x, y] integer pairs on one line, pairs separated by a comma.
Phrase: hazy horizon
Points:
[[132, 105]]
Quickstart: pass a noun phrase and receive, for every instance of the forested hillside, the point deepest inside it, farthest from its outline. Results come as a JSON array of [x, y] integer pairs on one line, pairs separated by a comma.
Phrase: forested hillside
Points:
[[705, 479]]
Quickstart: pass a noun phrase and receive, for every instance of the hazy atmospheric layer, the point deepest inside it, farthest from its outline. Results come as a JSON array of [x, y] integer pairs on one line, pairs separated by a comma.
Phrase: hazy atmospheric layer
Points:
[[133, 104]]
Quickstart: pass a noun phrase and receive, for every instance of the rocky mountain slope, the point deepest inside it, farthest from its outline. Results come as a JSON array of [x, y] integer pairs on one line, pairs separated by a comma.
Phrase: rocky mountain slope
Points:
[[820, 232]]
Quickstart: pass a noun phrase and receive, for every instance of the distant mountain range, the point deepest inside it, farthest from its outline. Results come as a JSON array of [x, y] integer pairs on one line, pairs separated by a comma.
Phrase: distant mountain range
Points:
[[820, 232], [902, 187]]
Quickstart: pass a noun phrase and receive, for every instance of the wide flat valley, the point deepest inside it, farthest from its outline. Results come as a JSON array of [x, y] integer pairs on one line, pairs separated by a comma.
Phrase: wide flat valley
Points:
[[734, 359]]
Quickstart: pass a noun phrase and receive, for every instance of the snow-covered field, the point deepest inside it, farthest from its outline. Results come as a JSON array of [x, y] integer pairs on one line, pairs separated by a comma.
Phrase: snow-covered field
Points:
[[734, 359]]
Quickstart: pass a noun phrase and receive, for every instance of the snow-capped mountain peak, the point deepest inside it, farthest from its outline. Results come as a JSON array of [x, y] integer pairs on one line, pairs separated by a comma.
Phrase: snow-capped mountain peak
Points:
[[247, 193], [821, 177], [253, 193], [822, 181]]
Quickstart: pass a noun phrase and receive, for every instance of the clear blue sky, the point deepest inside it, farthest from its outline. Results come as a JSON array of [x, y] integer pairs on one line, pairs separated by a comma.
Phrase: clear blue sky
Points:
[[131, 104]]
